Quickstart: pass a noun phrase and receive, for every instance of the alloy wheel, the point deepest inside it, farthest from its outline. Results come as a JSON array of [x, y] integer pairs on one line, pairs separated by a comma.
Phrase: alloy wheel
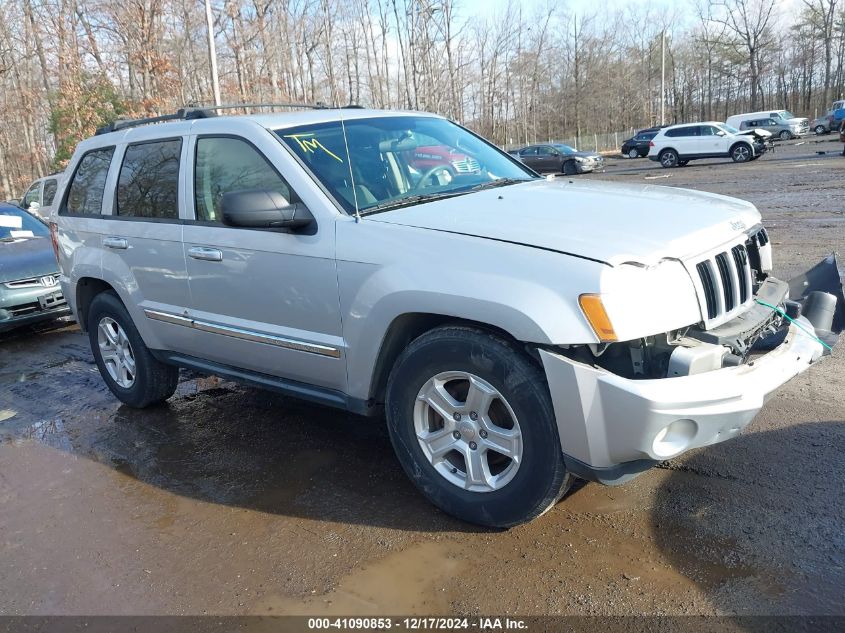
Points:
[[116, 352], [468, 431]]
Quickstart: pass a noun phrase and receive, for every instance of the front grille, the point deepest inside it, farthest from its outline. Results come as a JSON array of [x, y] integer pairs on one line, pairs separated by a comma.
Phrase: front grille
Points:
[[466, 166], [725, 281]]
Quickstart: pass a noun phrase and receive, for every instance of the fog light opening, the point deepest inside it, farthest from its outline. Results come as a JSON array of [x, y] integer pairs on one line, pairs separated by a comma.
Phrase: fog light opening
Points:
[[674, 438]]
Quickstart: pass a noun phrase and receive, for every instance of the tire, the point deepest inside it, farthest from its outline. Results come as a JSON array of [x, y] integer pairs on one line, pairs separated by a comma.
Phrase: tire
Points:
[[152, 381], [633, 153], [451, 360], [668, 158], [683, 163], [741, 153], [569, 168], [784, 135], [820, 129]]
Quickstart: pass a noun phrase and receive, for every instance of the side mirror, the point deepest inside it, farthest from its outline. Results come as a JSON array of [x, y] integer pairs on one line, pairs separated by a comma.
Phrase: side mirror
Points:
[[263, 209], [721, 133], [34, 206]]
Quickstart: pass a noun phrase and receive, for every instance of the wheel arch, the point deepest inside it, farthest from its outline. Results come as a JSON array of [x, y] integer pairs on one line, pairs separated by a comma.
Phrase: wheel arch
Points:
[[86, 289], [404, 329], [741, 142]]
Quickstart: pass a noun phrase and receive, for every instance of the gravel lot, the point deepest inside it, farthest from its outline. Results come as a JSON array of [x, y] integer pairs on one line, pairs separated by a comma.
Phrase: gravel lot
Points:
[[230, 500]]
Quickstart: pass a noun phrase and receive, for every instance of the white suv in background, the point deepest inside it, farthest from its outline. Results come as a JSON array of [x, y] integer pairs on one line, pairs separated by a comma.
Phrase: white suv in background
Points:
[[38, 199], [676, 145]]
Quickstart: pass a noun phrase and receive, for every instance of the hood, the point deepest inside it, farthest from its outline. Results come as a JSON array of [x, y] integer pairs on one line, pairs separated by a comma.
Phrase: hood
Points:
[[586, 154], [797, 121], [608, 222], [27, 258], [756, 131]]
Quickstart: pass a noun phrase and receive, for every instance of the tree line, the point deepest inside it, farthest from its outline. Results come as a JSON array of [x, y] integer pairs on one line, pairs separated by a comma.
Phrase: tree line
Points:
[[521, 74]]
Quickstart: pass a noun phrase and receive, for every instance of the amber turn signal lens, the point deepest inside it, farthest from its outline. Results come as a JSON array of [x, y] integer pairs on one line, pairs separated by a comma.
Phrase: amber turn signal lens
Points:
[[593, 309]]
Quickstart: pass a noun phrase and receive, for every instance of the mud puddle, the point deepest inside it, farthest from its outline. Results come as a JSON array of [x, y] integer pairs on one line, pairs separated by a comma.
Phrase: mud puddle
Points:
[[408, 582]]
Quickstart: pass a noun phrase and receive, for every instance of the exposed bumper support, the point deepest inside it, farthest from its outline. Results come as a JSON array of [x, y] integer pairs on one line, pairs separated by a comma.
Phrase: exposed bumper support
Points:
[[612, 427]]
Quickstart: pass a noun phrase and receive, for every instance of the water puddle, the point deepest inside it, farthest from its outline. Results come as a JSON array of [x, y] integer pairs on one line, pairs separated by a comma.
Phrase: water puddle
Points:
[[408, 582]]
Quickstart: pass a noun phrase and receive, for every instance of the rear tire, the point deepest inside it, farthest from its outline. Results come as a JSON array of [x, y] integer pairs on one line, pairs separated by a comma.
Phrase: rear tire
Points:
[[130, 371], [461, 369], [668, 158], [633, 153]]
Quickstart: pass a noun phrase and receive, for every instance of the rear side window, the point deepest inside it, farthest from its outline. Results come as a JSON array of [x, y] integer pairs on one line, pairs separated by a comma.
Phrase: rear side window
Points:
[[50, 188], [148, 186], [85, 195], [528, 151], [226, 164], [690, 130]]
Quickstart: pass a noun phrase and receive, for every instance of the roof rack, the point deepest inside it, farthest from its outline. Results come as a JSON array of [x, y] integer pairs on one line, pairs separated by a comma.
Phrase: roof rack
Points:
[[203, 112]]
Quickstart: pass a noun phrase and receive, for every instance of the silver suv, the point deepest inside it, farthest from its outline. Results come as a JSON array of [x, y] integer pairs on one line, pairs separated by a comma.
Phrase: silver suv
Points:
[[515, 331]]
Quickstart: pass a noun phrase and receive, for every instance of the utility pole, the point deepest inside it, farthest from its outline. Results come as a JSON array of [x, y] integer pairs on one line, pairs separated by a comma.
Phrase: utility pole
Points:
[[662, 76], [212, 53]]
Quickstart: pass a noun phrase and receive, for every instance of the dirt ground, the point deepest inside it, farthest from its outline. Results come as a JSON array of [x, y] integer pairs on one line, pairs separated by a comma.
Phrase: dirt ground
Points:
[[229, 500]]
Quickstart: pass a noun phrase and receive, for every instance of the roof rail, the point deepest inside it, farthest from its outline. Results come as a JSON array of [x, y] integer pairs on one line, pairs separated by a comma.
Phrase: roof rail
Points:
[[200, 112]]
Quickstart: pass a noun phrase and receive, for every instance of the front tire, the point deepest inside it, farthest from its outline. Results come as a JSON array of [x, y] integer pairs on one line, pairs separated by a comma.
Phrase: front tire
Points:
[[472, 423], [820, 129], [669, 158], [741, 153], [569, 168], [784, 135], [130, 371]]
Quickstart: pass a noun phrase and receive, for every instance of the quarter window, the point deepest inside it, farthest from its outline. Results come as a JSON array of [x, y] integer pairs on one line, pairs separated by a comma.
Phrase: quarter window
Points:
[[228, 164], [85, 196], [148, 186], [50, 188], [31, 195]]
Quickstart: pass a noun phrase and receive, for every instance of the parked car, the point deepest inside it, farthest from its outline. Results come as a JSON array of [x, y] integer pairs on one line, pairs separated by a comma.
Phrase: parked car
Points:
[[778, 128], [432, 154], [829, 122], [38, 199], [559, 158], [637, 146], [29, 273], [676, 145], [797, 125], [516, 331]]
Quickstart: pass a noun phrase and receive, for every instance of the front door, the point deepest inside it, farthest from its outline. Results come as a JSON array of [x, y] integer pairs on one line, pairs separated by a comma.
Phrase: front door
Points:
[[264, 300]]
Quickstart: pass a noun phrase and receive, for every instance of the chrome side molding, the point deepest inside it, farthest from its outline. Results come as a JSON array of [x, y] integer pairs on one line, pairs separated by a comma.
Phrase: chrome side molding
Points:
[[246, 335]]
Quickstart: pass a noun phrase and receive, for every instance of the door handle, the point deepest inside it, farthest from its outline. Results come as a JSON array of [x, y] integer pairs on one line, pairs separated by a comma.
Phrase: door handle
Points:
[[115, 242], [205, 254]]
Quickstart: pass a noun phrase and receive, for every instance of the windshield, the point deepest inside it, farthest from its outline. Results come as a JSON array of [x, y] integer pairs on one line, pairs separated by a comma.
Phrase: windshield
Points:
[[728, 128], [399, 160], [785, 114], [18, 224], [565, 149]]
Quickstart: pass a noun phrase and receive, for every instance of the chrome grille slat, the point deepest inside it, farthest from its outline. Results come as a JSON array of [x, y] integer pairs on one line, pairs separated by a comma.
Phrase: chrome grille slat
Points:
[[724, 282]]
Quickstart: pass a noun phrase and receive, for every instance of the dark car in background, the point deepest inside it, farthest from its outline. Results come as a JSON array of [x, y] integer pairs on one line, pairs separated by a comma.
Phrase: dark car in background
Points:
[[558, 158], [29, 274], [637, 146]]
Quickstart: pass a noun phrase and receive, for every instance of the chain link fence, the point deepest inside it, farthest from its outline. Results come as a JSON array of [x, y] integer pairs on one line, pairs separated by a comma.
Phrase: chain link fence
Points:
[[607, 142]]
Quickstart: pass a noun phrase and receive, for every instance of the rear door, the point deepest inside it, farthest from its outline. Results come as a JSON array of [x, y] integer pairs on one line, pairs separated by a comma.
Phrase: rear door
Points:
[[142, 237], [264, 300]]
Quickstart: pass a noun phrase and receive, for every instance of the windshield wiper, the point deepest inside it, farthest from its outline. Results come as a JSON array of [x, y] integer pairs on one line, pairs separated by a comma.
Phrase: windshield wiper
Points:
[[500, 182], [411, 201]]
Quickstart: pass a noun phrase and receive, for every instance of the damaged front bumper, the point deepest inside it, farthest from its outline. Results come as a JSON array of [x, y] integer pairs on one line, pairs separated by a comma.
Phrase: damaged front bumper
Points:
[[611, 428]]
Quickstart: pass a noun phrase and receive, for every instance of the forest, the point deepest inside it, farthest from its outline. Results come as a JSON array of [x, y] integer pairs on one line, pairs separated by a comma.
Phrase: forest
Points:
[[524, 72]]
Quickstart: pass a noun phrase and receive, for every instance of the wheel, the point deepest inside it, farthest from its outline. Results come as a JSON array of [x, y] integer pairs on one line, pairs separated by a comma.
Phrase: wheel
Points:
[[132, 374], [569, 168], [741, 153], [471, 420], [819, 129], [669, 158], [683, 163], [785, 135], [633, 153]]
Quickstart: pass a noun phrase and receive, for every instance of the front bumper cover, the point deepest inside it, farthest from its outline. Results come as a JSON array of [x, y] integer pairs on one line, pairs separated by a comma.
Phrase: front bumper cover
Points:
[[612, 427]]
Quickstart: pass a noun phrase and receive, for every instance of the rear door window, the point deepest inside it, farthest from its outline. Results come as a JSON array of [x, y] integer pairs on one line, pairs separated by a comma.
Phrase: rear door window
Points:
[[85, 195], [148, 186], [50, 188]]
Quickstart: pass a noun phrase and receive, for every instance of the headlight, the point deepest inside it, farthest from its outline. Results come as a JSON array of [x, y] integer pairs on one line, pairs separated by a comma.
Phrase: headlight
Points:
[[580, 159], [596, 315]]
